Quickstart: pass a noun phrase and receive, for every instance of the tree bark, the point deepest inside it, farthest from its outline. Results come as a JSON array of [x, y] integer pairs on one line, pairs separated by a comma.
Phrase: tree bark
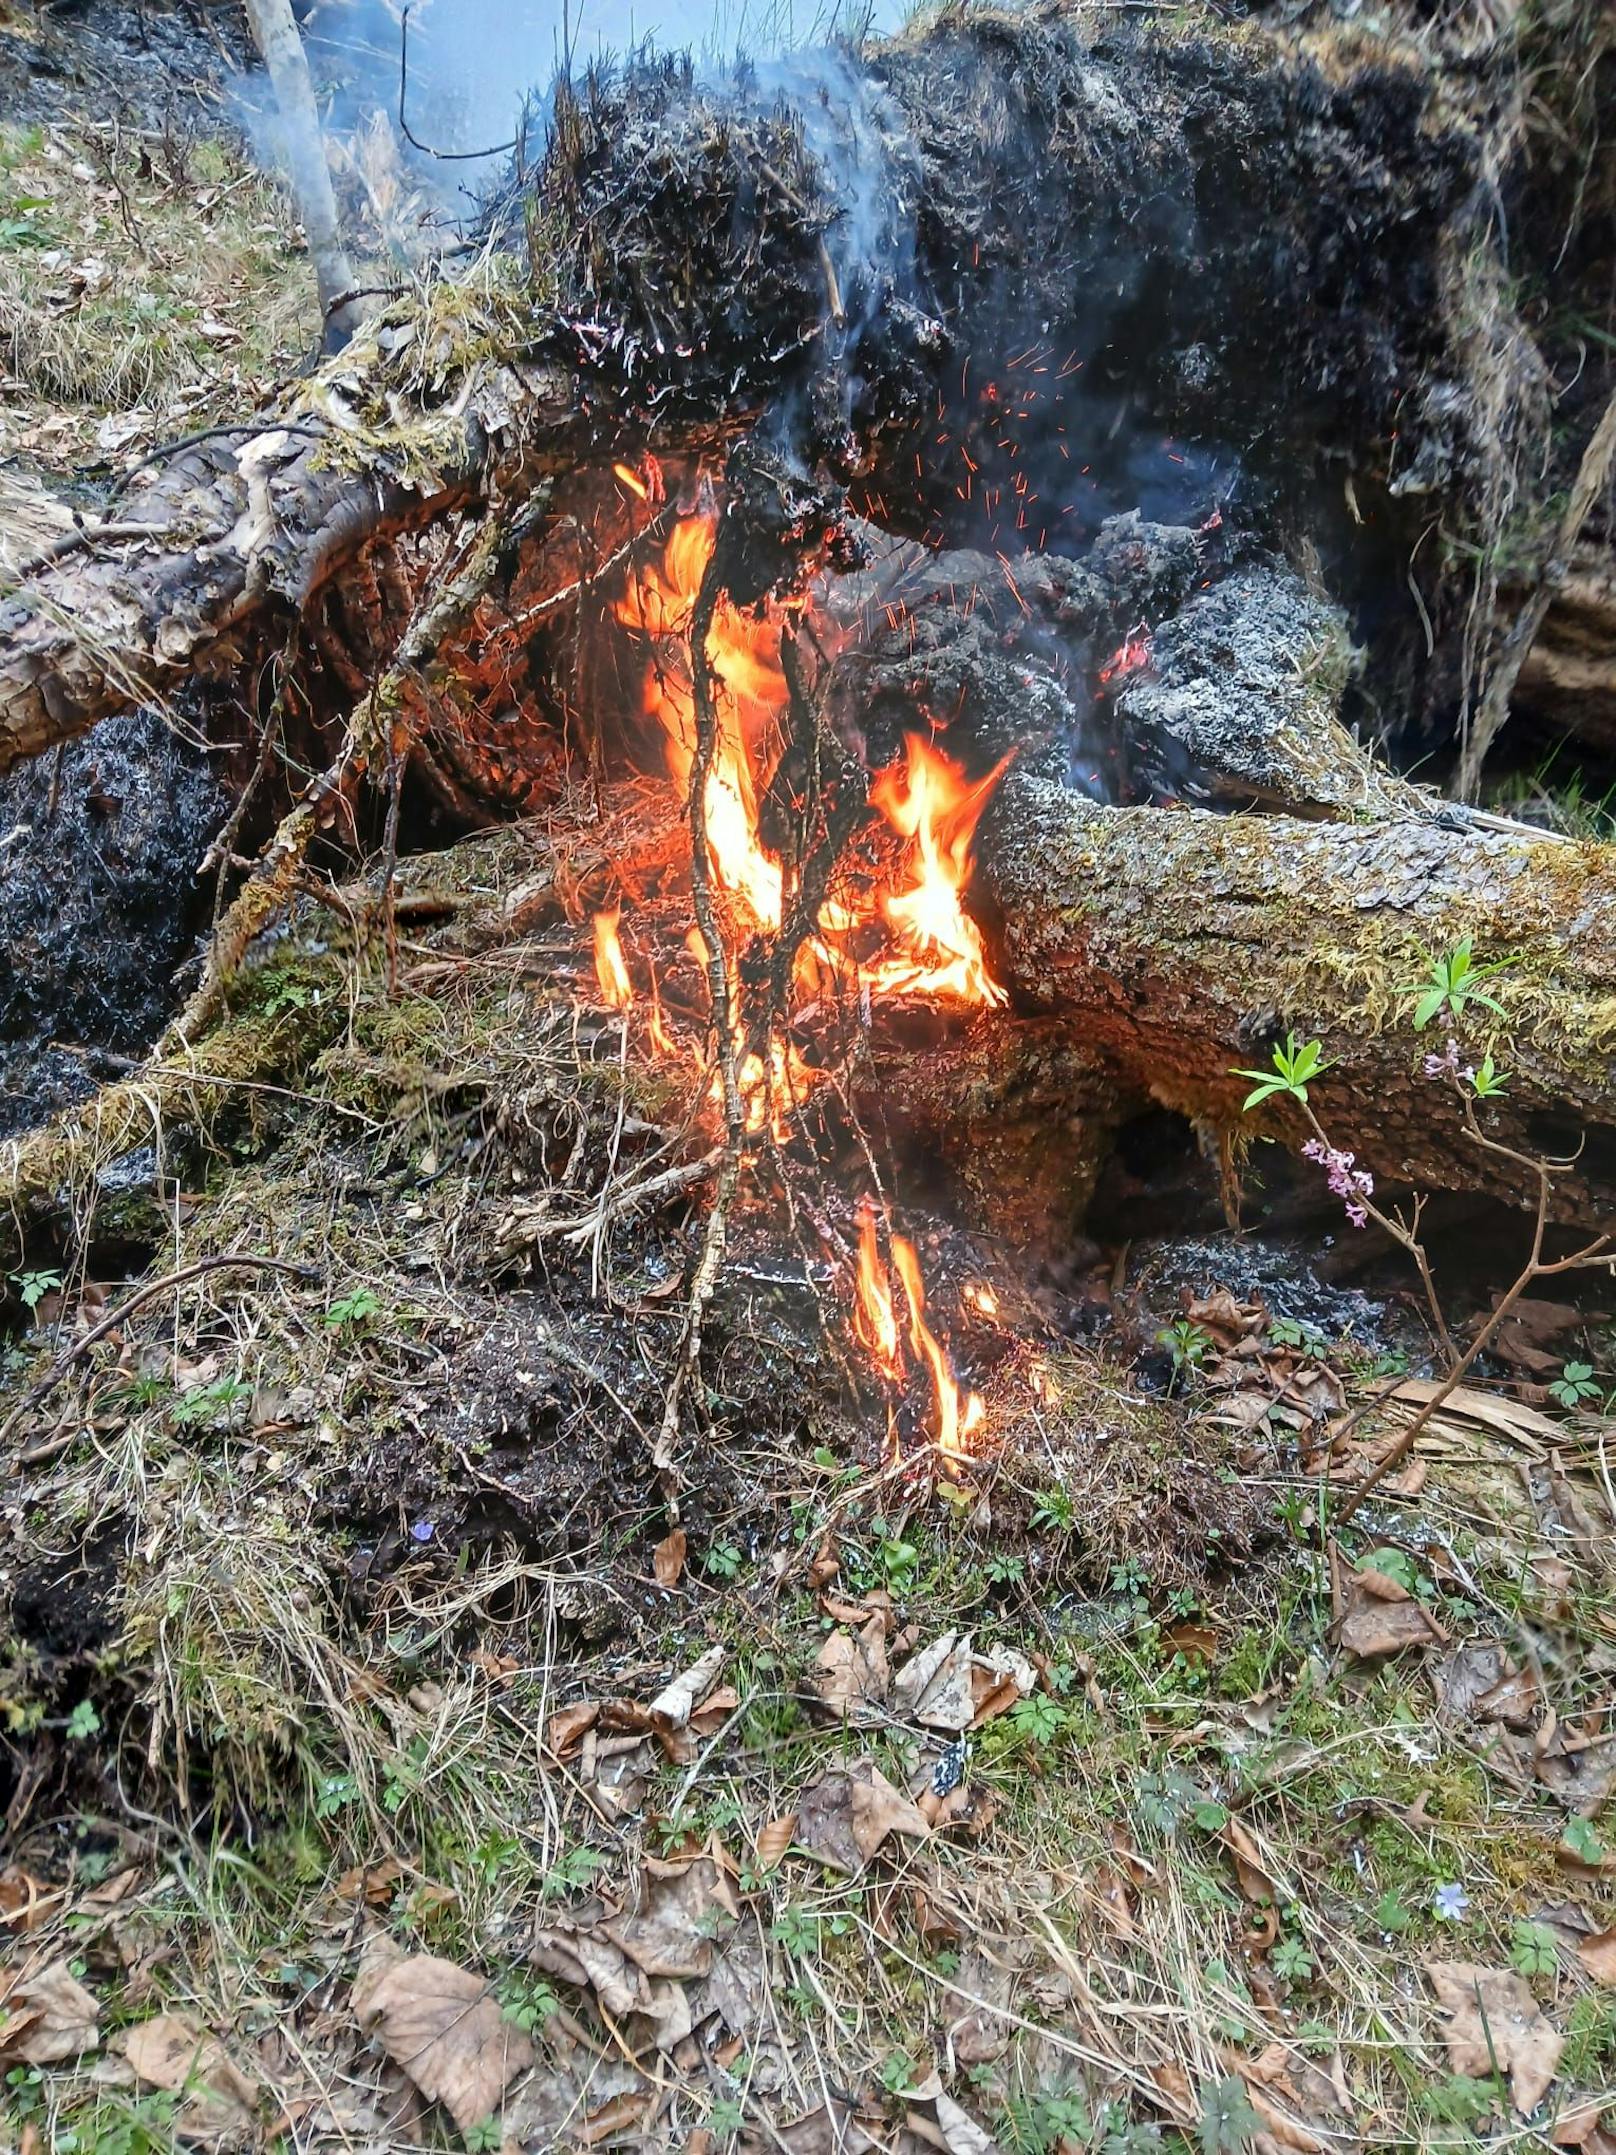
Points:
[[1180, 945]]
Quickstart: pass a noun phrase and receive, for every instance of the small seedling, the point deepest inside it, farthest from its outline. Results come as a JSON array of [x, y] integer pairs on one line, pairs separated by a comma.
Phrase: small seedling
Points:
[[1295, 1066], [1055, 1509], [1452, 984], [83, 1722], [1004, 1570], [1487, 1081], [723, 1561], [1391, 1912], [1228, 2122], [1188, 1343], [33, 1287], [1575, 1385], [350, 1311], [1533, 1949], [1291, 1959]]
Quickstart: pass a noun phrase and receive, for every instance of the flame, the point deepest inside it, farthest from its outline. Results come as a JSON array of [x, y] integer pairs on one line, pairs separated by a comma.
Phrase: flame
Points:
[[981, 1297], [1128, 657], [958, 1413], [616, 989], [632, 480], [875, 1320], [929, 801], [770, 1086], [745, 656]]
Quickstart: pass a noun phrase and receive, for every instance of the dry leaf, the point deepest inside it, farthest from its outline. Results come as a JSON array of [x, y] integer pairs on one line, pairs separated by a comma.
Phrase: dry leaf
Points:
[[668, 1558], [1598, 1957], [24, 1902], [567, 1729], [851, 1668], [773, 1841], [444, 2026], [1375, 1623], [1492, 2015], [961, 2133], [847, 1815], [934, 1686], [370, 1882], [174, 2053], [620, 2115], [50, 2016]]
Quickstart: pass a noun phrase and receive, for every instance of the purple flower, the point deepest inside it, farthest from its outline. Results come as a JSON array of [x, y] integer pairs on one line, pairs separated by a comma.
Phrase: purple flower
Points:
[[422, 1530], [1446, 1064], [1351, 1183], [1451, 1903]]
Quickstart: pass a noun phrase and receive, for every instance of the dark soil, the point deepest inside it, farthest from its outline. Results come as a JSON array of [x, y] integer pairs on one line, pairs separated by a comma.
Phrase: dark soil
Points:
[[155, 63]]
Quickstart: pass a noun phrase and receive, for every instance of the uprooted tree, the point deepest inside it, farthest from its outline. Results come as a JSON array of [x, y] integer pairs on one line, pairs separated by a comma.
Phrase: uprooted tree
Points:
[[1002, 368]]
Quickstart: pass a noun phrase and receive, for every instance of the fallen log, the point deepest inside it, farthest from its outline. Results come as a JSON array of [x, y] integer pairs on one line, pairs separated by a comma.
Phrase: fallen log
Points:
[[1180, 945]]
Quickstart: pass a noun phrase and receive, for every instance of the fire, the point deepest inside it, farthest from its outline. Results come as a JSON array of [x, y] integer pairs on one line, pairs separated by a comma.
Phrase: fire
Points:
[[928, 800], [981, 1297], [632, 480], [769, 1087], [875, 1320], [616, 989], [1132, 653], [958, 1413], [751, 691]]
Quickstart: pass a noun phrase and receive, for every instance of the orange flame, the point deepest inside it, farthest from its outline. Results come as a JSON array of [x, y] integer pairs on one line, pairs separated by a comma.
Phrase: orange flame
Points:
[[928, 800], [958, 1413], [745, 656], [875, 1321], [632, 480], [616, 989], [981, 1297]]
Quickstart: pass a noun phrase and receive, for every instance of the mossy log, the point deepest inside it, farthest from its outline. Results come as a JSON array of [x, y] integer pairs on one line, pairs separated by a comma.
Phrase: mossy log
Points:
[[1180, 945]]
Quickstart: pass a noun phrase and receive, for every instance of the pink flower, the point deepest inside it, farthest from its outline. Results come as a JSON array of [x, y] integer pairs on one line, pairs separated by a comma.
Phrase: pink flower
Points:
[[1351, 1183]]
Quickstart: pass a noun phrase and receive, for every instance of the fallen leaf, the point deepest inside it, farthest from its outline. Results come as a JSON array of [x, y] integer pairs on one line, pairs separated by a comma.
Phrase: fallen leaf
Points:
[[1465, 1409], [848, 1814], [174, 2053], [1374, 1624], [24, 1902], [961, 2133], [851, 1669], [1598, 1957], [444, 2026], [566, 1730], [1493, 2016], [371, 1882], [50, 2016], [773, 1841], [934, 1686], [620, 2115], [668, 1558]]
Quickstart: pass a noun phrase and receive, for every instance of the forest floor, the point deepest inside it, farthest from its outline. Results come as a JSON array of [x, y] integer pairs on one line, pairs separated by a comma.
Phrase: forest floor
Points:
[[388, 1766]]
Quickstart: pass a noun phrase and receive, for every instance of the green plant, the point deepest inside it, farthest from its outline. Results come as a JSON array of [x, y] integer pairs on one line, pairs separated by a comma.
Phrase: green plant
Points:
[[725, 2118], [33, 1287], [483, 2139], [1575, 1385], [1392, 1913], [1038, 1719], [1487, 1081], [83, 1722], [1002, 1569], [353, 1309], [1188, 1343], [1296, 1064], [209, 1403], [1291, 1332], [527, 2001], [1056, 1509], [723, 1560], [1533, 1949], [898, 1559], [18, 225], [897, 2074], [1581, 1841], [574, 1873], [1291, 1959], [1452, 983], [1228, 2122]]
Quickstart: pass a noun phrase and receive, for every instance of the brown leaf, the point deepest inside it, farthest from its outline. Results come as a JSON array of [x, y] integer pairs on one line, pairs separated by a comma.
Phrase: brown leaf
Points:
[[24, 1902], [1492, 2014], [620, 2115], [1373, 1624], [934, 1685], [567, 1729], [851, 1668], [1198, 1643], [773, 1841], [847, 1815], [1249, 1869], [50, 2016], [444, 2026], [668, 1558], [174, 2053], [1598, 1957], [371, 1882]]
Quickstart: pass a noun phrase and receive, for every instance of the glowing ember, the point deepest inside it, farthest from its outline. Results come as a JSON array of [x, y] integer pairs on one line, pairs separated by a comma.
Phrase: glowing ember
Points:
[[928, 800], [1127, 658], [981, 1297], [616, 989], [769, 1088], [632, 480]]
